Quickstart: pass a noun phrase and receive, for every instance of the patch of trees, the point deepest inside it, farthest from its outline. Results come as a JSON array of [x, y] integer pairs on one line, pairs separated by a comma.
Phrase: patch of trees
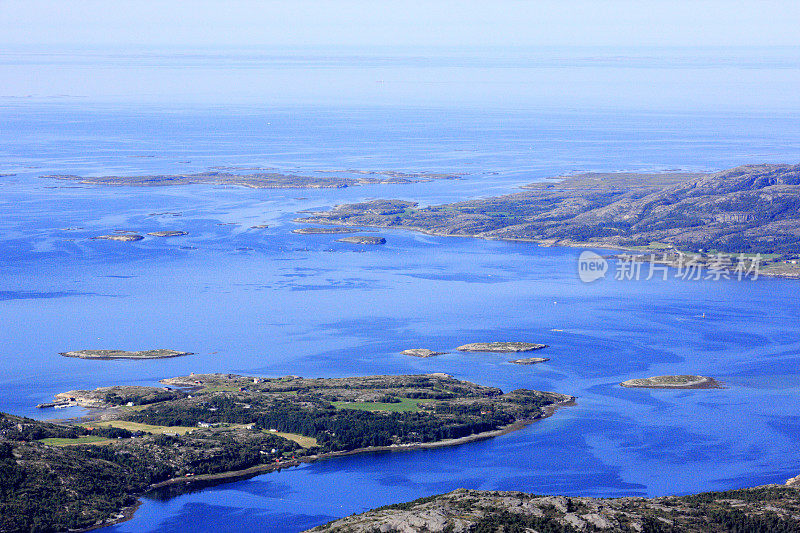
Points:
[[345, 429]]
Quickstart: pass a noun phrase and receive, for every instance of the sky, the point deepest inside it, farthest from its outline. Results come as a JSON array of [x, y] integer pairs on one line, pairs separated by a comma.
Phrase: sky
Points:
[[299, 23], [583, 54]]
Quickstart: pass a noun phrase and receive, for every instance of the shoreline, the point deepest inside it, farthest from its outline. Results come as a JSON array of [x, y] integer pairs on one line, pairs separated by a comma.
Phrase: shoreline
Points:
[[127, 514], [246, 473], [546, 243]]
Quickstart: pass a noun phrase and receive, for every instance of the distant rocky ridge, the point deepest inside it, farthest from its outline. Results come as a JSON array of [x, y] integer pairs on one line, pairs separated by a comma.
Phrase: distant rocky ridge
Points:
[[259, 179], [753, 208]]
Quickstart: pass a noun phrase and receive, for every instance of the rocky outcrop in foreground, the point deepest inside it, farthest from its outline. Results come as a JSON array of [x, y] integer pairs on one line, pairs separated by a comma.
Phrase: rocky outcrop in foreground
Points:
[[770, 508]]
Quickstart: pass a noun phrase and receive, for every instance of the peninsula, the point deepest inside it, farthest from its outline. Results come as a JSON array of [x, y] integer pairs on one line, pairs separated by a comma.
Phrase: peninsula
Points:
[[224, 426], [744, 210], [159, 353]]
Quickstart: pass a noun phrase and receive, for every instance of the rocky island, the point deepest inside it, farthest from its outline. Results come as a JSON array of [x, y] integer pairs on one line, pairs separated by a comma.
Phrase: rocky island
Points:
[[362, 239], [125, 237], [124, 354], [90, 472], [168, 233], [672, 382], [421, 352], [529, 360], [748, 209], [501, 347], [768, 508], [331, 230]]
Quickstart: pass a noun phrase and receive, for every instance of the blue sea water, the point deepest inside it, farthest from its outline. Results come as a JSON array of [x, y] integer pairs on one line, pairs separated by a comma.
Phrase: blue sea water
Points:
[[270, 302]]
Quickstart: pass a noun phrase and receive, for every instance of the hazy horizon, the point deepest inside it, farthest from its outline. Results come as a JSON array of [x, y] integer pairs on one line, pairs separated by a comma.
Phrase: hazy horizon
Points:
[[426, 23]]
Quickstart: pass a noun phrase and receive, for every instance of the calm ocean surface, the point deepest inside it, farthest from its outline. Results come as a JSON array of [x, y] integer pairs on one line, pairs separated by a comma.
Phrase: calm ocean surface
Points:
[[269, 302]]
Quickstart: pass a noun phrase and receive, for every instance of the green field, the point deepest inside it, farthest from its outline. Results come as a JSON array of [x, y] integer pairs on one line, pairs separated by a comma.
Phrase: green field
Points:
[[86, 439], [305, 442], [302, 440], [147, 428], [406, 404]]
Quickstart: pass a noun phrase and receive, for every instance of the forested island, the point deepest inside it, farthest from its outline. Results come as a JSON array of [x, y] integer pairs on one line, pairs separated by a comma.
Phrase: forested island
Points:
[[90, 472], [771, 508], [745, 210]]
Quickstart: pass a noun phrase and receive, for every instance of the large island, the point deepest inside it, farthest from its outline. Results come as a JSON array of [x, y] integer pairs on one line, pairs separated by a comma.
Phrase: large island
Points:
[[744, 210], [222, 426]]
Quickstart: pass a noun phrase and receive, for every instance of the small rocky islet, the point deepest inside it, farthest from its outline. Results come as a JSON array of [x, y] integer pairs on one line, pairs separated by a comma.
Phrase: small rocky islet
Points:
[[362, 239], [333, 230], [126, 237], [529, 360], [421, 352], [685, 381], [159, 353], [168, 233], [501, 347]]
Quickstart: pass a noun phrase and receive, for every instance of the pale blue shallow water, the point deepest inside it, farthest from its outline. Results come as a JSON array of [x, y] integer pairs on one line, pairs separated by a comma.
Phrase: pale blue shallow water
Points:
[[271, 303]]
